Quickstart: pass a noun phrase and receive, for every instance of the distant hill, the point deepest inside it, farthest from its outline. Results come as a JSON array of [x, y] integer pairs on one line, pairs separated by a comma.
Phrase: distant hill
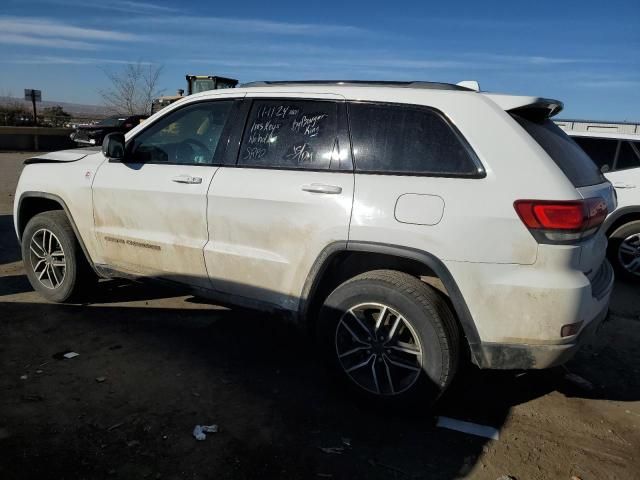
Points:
[[75, 109]]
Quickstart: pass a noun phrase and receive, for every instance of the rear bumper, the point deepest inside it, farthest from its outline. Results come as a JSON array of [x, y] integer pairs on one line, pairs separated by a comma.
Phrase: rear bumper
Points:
[[519, 311], [502, 356]]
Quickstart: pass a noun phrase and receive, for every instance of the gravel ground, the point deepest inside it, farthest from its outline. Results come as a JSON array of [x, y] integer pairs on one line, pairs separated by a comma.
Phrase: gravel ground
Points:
[[152, 364]]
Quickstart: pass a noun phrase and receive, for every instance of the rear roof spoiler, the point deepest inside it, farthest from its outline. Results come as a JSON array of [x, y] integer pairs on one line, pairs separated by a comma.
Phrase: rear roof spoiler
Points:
[[535, 108], [470, 84]]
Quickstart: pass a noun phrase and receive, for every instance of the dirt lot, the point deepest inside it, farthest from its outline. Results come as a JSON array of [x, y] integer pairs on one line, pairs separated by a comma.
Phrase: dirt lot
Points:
[[170, 362]]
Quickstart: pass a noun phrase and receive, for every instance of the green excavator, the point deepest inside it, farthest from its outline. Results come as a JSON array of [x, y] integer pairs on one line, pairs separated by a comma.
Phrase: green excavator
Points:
[[195, 84]]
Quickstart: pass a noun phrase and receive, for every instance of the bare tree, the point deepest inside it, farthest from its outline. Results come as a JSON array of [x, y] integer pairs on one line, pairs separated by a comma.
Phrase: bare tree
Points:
[[132, 89]]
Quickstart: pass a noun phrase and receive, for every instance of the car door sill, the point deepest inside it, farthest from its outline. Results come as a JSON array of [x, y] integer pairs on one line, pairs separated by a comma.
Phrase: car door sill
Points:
[[220, 298]]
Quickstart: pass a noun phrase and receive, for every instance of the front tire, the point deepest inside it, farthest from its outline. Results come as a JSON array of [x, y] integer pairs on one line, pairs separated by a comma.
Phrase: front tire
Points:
[[624, 250], [390, 337], [53, 260]]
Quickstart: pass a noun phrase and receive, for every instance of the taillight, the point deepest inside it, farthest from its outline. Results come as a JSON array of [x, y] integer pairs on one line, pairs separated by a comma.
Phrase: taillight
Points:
[[562, 221]]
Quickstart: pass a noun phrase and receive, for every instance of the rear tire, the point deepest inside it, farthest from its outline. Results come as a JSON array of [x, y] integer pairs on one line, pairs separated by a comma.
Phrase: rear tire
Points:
[[53, 259], [410, 353], [624, 251]]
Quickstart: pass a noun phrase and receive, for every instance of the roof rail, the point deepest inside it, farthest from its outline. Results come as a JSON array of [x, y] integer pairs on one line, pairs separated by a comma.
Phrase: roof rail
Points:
[[359, 83]]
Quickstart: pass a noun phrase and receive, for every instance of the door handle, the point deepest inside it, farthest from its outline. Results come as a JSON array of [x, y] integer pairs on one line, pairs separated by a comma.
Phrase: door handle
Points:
[[623, 185], [187, 179], [321, 188]]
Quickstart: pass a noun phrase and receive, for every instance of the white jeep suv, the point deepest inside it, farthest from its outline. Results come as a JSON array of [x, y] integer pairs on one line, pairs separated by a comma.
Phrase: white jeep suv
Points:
[[405, 223], [618, 156]]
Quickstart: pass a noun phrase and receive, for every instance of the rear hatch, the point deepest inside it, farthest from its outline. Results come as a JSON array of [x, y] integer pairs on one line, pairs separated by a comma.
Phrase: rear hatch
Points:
[[533, 115]]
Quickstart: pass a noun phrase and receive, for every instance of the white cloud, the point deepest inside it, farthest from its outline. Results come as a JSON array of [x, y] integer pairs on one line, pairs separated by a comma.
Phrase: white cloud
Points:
[[365, 60], [42, 27], [146, 6], [611, 83], [54, 60], [118, 5], [17, 39], [530, 59], [402, 63], [252, 25], [236, 63], [352, 61]]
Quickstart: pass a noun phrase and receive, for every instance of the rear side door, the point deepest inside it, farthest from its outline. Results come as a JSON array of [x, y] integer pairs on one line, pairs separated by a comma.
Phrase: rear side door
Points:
[[415, 177], [284, 194], [150, 211]]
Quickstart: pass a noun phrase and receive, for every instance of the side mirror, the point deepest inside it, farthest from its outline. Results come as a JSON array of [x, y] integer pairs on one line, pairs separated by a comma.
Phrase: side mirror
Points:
[[604, 168], [113, 146]]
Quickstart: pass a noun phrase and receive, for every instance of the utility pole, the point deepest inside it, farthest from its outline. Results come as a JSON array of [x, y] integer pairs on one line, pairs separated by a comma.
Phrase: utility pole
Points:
[[34, 96], [35, 113]]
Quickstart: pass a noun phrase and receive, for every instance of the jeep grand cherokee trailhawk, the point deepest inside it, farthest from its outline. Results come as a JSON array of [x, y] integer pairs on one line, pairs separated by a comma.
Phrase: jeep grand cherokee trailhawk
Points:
[[405, 223]]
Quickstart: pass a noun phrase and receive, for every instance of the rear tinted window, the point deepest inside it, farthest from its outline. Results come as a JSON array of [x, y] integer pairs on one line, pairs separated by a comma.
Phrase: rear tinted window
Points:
[[601, 150], [290, 134], [405, 139], [571, 159]]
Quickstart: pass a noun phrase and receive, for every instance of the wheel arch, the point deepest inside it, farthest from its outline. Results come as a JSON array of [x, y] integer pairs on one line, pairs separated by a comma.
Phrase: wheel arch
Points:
[[620, 217], [368, 256], [32, 203]]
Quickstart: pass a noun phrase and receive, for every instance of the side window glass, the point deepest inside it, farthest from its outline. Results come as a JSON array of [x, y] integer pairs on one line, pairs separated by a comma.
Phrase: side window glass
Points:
[[290, 134], [601, 150], [628, 157], [189, 135], [389, 138]]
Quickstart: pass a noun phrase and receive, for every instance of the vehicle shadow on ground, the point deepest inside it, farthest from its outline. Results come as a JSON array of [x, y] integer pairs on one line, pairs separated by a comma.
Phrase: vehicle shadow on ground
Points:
[[109, 291], [120, 290], [9, 247], [259, 379], [13, 284]]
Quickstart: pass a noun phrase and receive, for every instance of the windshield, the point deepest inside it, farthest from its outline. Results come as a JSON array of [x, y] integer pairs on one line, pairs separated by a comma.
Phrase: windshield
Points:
[[571, 159], [111, 122], [202, 85]]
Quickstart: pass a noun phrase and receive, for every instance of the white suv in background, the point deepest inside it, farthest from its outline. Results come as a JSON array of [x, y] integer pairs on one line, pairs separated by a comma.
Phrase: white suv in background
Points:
[[403, 222], [618, 157]]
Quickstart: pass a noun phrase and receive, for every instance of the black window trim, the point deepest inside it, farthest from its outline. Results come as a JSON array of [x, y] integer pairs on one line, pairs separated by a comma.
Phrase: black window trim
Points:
[[480, 170], [615, 156], [218, 152], [232, 134], [342, 136]]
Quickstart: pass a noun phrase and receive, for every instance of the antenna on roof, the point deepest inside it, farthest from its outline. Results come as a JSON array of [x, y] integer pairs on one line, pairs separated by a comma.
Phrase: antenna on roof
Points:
[[472, 84]]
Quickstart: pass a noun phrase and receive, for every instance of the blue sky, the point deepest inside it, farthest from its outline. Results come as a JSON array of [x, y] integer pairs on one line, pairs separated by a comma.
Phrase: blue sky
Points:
[[585, 53]]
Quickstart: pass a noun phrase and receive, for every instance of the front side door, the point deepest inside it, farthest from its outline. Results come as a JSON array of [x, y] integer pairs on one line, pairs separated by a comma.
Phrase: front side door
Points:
[[150, 211], [287, 195]]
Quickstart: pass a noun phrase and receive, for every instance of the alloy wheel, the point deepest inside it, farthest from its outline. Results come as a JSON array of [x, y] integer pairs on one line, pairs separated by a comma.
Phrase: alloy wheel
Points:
[[629, 254], [47, 258], [378, 349]]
